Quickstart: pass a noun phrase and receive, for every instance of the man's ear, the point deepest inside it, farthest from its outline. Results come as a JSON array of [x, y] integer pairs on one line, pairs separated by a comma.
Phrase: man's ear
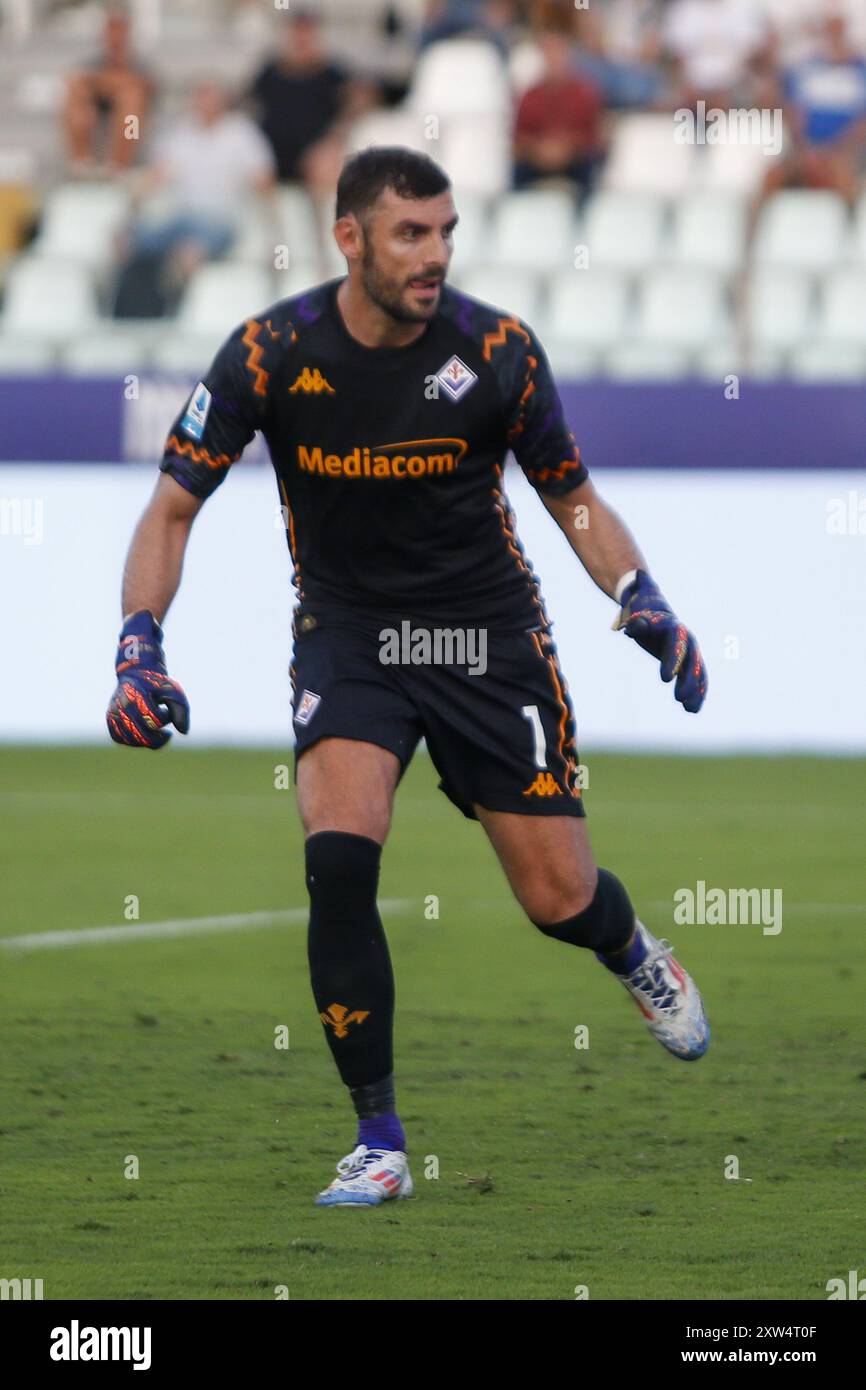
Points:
[[349, 236]]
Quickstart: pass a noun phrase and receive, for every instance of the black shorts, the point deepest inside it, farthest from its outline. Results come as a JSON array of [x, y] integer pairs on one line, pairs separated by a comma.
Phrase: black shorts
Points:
[[498, 724]]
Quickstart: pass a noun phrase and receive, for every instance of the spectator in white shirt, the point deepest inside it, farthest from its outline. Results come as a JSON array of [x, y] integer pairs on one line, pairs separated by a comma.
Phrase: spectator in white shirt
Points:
[[202, 173]]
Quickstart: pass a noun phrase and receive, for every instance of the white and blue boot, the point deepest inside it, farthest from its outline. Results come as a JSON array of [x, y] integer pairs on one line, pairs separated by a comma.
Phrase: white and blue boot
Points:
[[669, 999], [368, 1177]]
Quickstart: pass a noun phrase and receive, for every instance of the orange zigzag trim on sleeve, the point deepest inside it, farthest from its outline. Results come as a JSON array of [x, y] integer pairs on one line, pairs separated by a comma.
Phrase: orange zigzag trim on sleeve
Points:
[[498, 337], [183, 447]]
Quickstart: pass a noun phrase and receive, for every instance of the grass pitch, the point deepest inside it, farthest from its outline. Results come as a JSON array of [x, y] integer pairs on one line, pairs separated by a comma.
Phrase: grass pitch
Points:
[[557, 1168]]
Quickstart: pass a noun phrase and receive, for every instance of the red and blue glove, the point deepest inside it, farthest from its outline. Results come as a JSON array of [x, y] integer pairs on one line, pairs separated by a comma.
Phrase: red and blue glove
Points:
[[146, 699], [650, 621]]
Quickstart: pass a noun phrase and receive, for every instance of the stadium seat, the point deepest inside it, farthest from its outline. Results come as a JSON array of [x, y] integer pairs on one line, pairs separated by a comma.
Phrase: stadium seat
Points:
[[25, 356], [857, 244], [535, 228], [779, 308], [572, 361], [636, 361], [823, 361], [476, 151], [589, 308], [221, 296], [297, 224], [463, 76], [682, 308], [112, 349], [472, 235], [525, 66], [80, 221], [623, 231], [709, 231], [802, 230], [842, 307], [187, 353], [395, 126], [734, 168], [48, 299], [645, 158], [513, 291]]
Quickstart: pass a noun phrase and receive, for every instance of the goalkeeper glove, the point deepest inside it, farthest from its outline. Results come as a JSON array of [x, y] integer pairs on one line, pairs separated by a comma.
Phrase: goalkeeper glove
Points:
[[650, 621], [146, 698]]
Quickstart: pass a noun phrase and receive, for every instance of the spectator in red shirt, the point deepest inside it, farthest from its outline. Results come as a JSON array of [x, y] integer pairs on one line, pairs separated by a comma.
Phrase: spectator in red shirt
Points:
[[558, 132]]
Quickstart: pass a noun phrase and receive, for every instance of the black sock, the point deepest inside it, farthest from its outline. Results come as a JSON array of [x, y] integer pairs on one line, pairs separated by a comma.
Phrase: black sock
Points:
[[605, 925], [350, 968]]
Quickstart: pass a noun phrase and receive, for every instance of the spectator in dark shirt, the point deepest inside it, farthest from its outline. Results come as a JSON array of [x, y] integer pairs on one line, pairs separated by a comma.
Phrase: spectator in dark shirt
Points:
[[299, 96], [558, 131]]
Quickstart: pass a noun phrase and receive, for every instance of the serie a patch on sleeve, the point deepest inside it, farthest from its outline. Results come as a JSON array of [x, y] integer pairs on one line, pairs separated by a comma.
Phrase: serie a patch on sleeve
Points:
[[194, 420]]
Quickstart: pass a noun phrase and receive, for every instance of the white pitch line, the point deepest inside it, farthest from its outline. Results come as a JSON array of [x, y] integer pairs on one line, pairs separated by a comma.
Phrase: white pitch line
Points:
[[180, 926]]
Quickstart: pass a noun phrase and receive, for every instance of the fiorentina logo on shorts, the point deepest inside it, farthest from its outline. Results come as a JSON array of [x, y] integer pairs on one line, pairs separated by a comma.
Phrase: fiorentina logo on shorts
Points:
[[456, 378], [307, 706]]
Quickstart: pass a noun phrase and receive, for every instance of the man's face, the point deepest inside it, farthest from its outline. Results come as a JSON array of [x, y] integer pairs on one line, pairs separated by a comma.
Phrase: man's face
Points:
[[407, 248]]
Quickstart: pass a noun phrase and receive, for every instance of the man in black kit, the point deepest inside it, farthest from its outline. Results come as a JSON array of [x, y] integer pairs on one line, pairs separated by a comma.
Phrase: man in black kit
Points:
[[389, 402]]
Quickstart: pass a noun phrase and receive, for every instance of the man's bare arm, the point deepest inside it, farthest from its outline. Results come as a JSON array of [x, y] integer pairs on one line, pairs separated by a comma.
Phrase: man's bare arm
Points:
[[154, 564], [597, 535]]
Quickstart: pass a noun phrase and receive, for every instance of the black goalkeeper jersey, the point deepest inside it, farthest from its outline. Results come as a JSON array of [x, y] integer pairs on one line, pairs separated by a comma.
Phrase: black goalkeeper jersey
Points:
[[389, 461]]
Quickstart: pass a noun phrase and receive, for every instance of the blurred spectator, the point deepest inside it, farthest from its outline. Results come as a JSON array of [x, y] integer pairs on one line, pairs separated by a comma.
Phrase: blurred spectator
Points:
[[495, 20], [100, 101], [300, 97], [203, 169], [825, 115], [621, 49], [715, 45], [558, 131]]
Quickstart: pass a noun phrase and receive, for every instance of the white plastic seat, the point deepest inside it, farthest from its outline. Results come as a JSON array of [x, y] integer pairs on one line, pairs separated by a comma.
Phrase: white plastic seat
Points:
[[780, 308], [395, 126], [472, 233], [515, 292], [571, 361], [48, 299], [116, 349], [623, 231], [25, 356], [842, 307], [645, 157], [221, 296], [476, 151], [187, 353], [296, 223], [637, 361], [464, 76], [803, 230], [589, 308], [534, 229], [682, 308], [79, 222], [709, 230], [731, 168], [820, 360]]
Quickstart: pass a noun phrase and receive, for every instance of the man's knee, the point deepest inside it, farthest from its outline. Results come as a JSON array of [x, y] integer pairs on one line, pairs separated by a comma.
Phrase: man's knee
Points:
[[604, 923]]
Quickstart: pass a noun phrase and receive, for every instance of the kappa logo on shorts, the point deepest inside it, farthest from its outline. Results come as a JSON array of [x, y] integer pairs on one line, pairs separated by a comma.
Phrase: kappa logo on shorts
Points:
[[456, 377], [545, 784], [307, 706]]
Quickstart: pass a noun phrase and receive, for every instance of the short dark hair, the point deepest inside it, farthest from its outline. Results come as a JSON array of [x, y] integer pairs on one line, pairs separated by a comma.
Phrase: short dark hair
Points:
[[367, 174]]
